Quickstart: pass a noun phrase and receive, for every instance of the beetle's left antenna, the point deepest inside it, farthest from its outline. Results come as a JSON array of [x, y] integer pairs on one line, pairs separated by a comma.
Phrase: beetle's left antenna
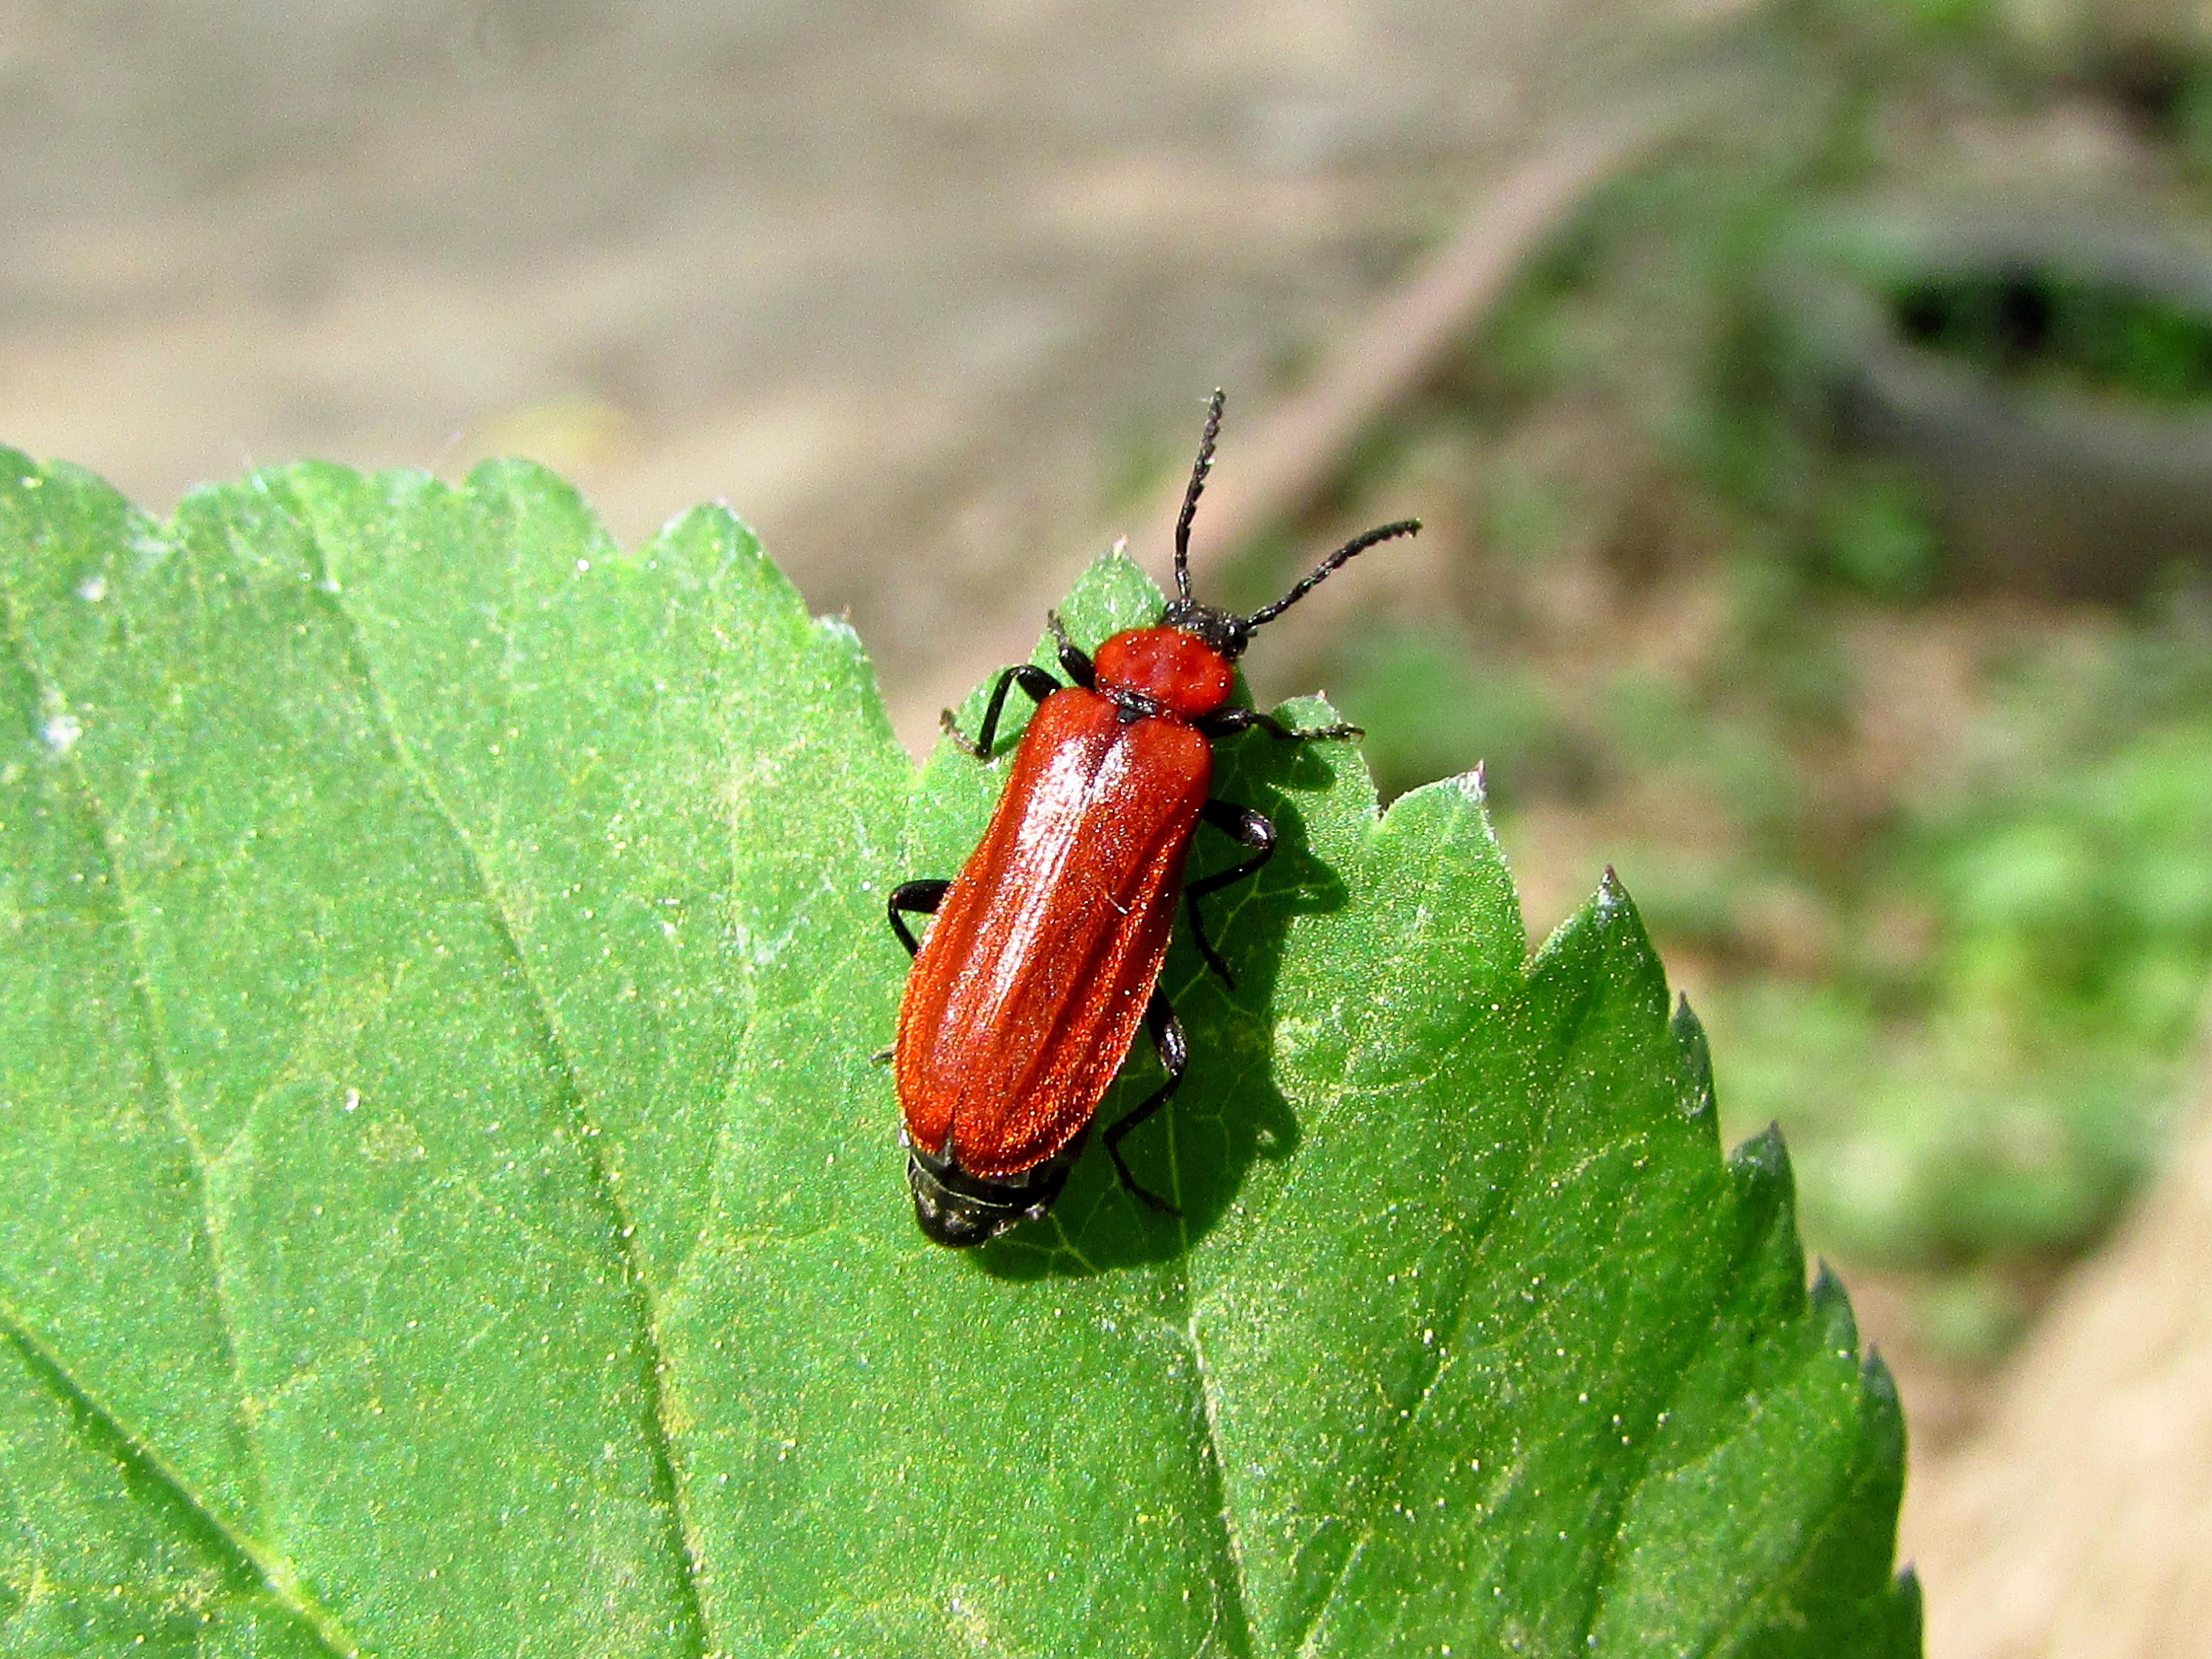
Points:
[[1351, 549], [1203, 465]]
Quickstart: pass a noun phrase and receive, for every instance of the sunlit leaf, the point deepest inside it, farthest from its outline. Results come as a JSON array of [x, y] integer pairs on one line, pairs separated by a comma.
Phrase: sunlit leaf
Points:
[[450, 1209]]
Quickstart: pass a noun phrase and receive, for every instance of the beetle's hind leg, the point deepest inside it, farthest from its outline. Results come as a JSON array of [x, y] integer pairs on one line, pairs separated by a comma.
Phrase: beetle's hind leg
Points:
[[1175, 1058], [914, 898], [1249, 828], [911, 898]]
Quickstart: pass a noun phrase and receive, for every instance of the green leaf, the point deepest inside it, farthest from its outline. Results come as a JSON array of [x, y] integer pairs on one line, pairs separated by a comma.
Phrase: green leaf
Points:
[[451, 1208]]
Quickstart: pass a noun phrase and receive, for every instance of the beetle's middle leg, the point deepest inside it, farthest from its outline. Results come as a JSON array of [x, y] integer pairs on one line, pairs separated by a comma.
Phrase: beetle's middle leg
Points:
[[1031, 678], [1174, 1049], [1249, 828], [1233, 718]]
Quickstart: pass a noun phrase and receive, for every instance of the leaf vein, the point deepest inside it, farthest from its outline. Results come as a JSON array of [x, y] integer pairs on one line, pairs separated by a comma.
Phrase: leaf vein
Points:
[[1210, 1455], [156, 1055], [1400, 1434], [128, 1446]]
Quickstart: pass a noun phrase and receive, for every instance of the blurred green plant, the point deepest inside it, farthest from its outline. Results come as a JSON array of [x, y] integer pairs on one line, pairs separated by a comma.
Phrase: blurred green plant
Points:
[[1432, 709], [1874, 532], [1999, 1091], [2043, 327], [1968, 1012]]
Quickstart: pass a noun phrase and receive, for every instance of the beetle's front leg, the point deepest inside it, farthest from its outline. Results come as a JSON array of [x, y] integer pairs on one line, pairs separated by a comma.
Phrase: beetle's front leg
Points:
[[1031, 678], [1074, 661]]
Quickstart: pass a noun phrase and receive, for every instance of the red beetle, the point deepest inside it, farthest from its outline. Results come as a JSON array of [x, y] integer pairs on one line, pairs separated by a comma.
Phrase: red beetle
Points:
[[1027, 990]]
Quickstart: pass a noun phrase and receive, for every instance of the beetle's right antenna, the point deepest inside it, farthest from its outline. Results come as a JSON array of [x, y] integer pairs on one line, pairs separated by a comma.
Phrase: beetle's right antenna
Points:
[[1353, 549], [1205, 464]]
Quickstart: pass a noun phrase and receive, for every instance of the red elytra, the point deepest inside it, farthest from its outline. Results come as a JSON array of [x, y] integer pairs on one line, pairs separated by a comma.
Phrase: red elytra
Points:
[[1044, 956]]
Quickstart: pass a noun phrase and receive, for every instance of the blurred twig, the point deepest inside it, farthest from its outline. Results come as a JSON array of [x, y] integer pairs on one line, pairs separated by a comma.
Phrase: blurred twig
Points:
[[1290, 452]]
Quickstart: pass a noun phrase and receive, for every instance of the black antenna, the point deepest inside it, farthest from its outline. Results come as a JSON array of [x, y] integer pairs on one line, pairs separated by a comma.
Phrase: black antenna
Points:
[[1351, 549], [1205, 464]]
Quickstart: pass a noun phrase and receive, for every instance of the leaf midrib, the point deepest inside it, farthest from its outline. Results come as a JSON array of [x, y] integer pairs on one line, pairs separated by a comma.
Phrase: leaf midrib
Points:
[[645, 1303], [1229, 1551]]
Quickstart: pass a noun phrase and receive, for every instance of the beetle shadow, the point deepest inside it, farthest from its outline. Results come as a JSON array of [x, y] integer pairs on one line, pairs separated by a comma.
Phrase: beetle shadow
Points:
[[1228, 1116]]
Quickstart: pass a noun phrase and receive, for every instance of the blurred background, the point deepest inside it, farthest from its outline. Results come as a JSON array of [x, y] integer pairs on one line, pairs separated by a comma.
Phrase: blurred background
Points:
[[1810, 404]]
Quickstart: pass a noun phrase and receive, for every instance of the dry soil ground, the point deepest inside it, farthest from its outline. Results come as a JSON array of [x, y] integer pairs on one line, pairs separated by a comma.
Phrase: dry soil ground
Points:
[[920, 288]]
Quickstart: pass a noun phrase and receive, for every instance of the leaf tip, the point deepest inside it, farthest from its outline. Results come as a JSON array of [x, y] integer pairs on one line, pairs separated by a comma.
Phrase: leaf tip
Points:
[[521, 477], [716, 521], [1689, 1031], [1611, 901], [1881, 1385], [1881, 1417], [1118, 571], [1831, 1309], [1455, 798], [1109, 594], [1766, 1199], [1904, 1598], [1765, 1155]]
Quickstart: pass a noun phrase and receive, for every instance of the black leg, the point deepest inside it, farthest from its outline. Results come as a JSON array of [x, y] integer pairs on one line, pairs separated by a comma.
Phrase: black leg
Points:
[[1227, 722], [1175, 1056], [914, 898], [1031, 678], [1248, 828], [1074, 661]]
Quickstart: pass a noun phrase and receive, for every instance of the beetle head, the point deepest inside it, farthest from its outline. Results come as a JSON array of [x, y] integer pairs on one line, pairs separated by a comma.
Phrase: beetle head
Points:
[[1225, 632]]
